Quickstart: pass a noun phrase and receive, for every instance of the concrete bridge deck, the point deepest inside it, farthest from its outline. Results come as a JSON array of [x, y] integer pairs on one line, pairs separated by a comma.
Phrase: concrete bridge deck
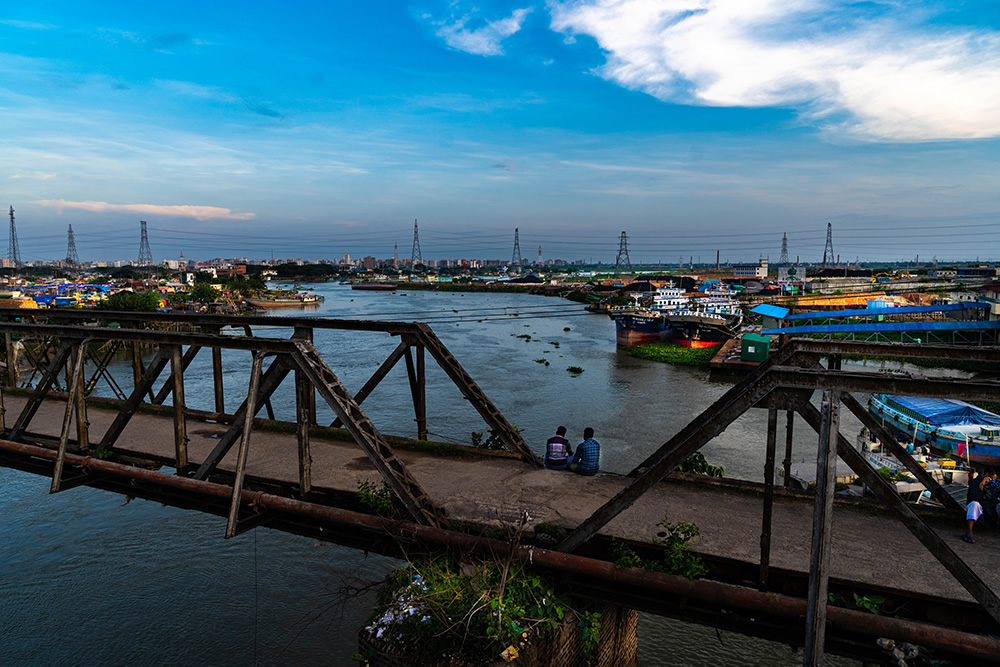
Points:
[[868, 545]]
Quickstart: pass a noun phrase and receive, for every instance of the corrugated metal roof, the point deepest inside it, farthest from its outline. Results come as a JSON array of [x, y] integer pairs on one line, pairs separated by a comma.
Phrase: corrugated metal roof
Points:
[[901, 310], [769, 310]]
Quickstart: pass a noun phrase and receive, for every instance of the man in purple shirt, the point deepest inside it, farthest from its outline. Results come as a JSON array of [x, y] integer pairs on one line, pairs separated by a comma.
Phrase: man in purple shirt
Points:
[[557, 450]]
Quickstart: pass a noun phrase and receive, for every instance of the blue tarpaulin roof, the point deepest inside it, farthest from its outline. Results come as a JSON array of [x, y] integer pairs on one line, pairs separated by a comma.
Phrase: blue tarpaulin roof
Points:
[[961, 325], [946, 411], [768, 310], [898, 310]]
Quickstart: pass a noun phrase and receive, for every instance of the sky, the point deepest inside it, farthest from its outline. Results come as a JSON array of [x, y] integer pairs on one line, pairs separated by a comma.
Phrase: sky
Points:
[[316, 129]]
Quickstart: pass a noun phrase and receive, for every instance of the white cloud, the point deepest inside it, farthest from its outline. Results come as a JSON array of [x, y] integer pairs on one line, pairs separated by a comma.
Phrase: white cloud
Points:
[[877, 77], [177, 211], [484, 41]]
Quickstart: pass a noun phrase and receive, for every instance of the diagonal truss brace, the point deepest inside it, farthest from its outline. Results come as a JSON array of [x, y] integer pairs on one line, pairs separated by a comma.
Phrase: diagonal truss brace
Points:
[[406, 488], [930, 539]]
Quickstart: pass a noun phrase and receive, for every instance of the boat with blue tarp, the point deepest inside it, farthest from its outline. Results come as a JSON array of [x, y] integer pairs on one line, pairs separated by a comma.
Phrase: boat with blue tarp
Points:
[[954, 427]]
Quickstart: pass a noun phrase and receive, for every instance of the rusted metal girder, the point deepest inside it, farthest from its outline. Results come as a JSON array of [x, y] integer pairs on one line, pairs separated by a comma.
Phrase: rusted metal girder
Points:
[[670, 590], [392, 470], [972, 389], [416, 334], [938, 548]]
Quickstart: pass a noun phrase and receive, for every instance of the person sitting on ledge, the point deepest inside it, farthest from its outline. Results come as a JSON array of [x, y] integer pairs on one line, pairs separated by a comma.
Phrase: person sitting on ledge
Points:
[[557, 450], [587, 459]]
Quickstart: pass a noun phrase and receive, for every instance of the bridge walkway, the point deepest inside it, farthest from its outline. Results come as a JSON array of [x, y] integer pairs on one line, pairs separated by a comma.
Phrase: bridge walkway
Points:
[[869, 545]]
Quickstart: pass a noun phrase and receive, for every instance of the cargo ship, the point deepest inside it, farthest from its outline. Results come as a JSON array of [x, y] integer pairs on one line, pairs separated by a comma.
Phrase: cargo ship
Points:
[[674, 317], [949, 426]]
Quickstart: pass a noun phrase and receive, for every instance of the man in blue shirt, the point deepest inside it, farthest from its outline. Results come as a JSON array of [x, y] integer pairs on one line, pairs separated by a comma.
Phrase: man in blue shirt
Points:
[[587, 459]]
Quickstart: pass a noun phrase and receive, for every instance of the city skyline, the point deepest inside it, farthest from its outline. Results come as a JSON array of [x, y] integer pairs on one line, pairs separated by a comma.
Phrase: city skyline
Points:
[[695, 126]]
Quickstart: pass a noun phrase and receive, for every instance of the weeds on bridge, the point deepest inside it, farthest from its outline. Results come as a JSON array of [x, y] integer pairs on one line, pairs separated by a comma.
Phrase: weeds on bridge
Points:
[[677, 558], [465, 609]]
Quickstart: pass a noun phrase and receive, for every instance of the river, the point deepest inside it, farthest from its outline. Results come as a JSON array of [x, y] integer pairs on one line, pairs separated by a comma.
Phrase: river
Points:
[[86, 578]]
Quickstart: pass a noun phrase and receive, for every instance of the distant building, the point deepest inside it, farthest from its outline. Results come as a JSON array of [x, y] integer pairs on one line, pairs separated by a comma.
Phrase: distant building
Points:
[[758, 270]]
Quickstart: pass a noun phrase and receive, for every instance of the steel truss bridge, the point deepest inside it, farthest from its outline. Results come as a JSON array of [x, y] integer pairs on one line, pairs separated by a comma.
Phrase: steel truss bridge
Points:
[[66, 354]]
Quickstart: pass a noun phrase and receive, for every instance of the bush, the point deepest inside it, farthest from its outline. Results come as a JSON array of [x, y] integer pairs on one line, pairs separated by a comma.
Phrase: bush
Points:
[[148, 302]]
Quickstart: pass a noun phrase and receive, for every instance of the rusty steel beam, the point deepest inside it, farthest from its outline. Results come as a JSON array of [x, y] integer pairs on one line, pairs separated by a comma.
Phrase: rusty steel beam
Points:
[[143, 386], [896, 350], [75, 386], [670, 589], [243, 452], [903, 456], [765, 522], [41, 389], [393, 472], [168, 385], [376, 377], [822, 530], [498, 424], [252, 404], [965, 575], [790, 377]]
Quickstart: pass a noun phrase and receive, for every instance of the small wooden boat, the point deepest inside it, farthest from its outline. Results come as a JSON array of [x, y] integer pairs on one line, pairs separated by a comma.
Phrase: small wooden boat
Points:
[[283, 300]]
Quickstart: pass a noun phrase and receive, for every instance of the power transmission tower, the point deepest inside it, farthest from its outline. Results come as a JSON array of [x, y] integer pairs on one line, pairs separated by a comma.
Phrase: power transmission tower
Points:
[[395, 255], [13, 253], [623, 261], [539, 255], [415, 257], [145, 254], [828, 251], [515, 259], [784, 250], [71, 257]]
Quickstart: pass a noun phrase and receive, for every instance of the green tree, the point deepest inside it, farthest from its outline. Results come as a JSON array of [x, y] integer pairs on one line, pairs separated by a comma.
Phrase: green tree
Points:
[[133, 302], [203, 292]]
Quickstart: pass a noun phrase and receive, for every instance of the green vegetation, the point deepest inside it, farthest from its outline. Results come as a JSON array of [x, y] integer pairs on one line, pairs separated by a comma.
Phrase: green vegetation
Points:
[[541, 361], [696, 463], [575, 370], [379, 499], [470, 611], [893, 476], [147, 302], [677, 557], [670, 353], [492, 442], [870, 603]]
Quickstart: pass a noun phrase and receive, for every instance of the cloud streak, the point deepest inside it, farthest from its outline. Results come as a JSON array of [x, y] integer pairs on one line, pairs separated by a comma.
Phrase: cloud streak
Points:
[[176, 211], [881, 76], [486, 40]]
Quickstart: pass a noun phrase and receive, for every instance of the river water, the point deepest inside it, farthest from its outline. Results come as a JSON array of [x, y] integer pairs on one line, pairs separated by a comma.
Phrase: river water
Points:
[[87, 579]]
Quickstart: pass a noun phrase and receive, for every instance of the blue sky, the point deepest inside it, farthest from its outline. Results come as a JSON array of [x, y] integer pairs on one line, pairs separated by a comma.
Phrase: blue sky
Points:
[[317, 129]]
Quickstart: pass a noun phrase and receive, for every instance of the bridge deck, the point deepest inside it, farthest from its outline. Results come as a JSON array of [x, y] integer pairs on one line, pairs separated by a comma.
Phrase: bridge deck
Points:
[[868, 546]]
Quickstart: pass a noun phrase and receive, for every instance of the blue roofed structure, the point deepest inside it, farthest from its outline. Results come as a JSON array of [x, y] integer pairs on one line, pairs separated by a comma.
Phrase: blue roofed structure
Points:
[[769, 310], [958, 323], [944, 411]]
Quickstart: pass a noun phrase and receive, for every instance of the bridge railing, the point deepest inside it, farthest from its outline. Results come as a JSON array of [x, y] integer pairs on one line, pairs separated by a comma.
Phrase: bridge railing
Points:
[[65, 343]]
